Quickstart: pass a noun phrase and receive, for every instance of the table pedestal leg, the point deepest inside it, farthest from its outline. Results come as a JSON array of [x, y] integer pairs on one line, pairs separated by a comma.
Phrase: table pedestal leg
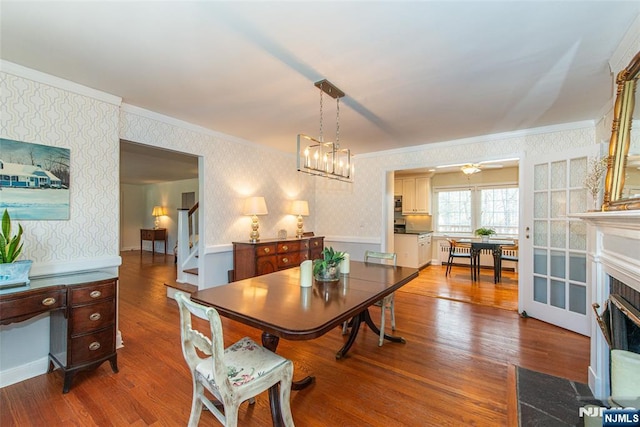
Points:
[[355, 326], [374, 328], [270, 342]]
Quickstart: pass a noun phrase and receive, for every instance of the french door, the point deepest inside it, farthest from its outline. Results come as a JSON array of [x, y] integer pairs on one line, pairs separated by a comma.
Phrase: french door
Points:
[[553, 260]]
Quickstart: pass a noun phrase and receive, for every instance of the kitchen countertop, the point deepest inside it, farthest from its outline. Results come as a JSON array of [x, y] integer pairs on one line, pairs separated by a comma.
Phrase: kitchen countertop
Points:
[[414, 232]]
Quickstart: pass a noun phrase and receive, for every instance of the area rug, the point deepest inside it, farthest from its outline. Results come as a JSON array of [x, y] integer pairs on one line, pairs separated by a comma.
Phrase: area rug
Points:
[[545, 400]]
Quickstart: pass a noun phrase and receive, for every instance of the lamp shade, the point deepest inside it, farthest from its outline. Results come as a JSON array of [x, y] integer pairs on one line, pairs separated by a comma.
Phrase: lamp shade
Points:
[[255, 206], [300, 207], [159, 211]]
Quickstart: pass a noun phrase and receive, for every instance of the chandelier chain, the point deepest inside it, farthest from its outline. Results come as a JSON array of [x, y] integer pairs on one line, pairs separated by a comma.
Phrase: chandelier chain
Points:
[[321, 139], [337, 122]]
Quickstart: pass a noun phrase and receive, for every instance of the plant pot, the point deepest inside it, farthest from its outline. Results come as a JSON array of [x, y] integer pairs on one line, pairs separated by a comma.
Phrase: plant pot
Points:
[[485, 239], [15, 274], [329, 274]]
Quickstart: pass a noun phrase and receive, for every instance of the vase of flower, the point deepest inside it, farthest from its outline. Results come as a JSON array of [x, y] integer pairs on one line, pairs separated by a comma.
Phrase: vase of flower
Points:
[[327, 268], [12, 272]]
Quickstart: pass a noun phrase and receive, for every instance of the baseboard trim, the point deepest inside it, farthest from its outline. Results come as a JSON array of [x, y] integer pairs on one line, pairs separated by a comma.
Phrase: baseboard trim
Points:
[[24, 372]]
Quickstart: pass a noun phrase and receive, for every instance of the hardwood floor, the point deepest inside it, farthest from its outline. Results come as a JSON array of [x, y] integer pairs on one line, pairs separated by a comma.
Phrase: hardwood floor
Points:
[[451, 372]]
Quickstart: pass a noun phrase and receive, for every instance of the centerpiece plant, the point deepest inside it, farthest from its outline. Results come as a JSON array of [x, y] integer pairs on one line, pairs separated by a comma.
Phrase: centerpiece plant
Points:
[[327, 268], [485, 232]]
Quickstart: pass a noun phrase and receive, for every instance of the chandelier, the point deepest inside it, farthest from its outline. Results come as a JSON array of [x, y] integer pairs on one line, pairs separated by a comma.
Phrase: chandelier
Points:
[[326, 159]]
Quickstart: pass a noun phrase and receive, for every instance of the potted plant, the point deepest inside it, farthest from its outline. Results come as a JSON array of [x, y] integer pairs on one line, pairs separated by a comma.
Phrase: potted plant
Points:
[[484, 233], [12, 272], [326, 269]]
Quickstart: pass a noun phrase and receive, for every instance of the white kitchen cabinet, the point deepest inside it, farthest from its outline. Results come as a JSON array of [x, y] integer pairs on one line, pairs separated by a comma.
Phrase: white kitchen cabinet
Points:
[[412, 250], [416, 195], [397, 187]]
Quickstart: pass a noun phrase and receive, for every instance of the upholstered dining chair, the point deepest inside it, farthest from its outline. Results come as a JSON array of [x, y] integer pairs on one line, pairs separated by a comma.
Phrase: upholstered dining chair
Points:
[[387, 303], [458, 250], [232, 375]]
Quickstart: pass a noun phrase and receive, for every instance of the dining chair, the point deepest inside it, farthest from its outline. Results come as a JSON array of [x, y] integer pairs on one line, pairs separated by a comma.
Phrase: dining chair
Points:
[[387, 303], [510, 255], [233, 375], [458, 250]]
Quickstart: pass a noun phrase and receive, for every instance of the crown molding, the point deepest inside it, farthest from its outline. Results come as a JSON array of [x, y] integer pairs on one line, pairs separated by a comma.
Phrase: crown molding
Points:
[[57, 82]]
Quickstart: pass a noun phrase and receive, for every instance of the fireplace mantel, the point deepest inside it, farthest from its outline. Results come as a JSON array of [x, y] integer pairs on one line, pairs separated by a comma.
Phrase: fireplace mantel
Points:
[[613, 247]]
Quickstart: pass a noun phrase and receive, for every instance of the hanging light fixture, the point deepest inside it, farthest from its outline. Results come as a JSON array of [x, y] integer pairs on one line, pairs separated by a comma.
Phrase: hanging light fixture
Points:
[[326, 159], [470, 169]]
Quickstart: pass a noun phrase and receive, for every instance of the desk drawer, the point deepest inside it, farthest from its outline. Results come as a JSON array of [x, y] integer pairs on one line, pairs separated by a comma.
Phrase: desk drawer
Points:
[[39, 302], [147, 234], [92, 292], [92, 317], [87, 348]]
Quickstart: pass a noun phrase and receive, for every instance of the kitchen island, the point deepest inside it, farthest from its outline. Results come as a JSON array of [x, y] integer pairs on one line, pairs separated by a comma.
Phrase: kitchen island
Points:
[[413, 248]]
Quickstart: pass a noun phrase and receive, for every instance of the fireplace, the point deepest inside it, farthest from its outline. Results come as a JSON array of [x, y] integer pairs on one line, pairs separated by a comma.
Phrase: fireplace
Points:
[[613, 271]]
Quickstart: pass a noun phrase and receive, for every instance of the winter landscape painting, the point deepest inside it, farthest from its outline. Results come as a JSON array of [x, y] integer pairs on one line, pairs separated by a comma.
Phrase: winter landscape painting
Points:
[[34, 180]]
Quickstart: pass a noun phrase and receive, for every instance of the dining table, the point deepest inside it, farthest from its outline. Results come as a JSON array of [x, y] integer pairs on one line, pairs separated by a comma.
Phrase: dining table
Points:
[[495, 247], [276, 304]]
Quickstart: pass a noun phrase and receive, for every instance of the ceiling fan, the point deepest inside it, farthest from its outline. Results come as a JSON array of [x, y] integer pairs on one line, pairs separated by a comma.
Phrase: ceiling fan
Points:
[[473, 168]]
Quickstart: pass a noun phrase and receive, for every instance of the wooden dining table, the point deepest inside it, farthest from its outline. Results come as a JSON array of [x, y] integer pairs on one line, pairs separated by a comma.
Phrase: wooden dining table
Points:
[[493, 245], [277, 305]]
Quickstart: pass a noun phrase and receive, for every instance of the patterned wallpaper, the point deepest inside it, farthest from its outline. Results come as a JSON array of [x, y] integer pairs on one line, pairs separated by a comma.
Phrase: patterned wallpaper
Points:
[[39, 113], [362, 204], [233, 170]]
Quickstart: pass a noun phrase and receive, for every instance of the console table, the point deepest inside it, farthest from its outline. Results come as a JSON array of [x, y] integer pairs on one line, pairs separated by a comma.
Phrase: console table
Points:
[[269, 255], [153, 234], [82, 311]]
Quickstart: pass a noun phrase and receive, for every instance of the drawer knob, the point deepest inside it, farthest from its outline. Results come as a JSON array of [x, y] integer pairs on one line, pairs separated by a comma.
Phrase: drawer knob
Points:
[[95, 316], [285, 260], [266, 250], [94, 346], [285, 248], [48, 301], [95, 294], [315, 243]]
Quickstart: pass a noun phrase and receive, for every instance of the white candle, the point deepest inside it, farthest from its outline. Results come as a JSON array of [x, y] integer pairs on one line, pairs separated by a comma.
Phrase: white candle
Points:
[[306, 274], [344, 265]]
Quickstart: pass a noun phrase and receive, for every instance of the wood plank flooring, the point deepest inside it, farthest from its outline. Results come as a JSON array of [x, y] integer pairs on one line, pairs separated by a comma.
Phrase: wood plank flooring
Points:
[[452, 371]]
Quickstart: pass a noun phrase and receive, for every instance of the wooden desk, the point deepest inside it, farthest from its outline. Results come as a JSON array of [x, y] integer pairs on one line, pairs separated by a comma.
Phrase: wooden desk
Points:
[[277, 305], [82, 318], [153, 234], [495, 246]]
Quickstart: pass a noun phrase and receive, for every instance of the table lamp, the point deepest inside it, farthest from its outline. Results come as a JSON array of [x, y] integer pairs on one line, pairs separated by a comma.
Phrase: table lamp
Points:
[[300, 208], [157, 212], [255, 206]]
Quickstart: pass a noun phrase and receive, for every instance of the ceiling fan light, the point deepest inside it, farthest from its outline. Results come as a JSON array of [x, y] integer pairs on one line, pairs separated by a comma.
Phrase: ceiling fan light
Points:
[[470, 169]]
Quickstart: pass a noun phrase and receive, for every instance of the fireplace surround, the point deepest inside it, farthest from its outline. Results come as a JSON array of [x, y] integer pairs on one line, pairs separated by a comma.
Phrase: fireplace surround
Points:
[[613, 267]]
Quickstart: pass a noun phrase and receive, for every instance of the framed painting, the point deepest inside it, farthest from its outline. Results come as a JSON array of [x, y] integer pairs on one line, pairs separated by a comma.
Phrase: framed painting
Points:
[[34, 180]]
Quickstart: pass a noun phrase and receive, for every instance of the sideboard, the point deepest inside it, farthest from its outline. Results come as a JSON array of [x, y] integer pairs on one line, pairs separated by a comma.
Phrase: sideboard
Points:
[[82, 316], [269, 255]]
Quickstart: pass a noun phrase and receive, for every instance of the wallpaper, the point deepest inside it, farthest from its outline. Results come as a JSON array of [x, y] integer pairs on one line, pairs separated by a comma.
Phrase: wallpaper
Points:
[[233, 170], [38, 113]]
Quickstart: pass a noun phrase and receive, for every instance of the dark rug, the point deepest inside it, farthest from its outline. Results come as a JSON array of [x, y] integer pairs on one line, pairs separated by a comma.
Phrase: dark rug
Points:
[[545, 400]]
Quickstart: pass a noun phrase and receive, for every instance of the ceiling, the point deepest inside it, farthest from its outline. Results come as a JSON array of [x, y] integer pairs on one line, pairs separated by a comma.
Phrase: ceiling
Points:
[[413, 72]]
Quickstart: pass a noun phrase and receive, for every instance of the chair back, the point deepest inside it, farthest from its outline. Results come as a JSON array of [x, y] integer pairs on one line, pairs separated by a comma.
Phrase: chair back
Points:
[[381, 257], [194, 339]]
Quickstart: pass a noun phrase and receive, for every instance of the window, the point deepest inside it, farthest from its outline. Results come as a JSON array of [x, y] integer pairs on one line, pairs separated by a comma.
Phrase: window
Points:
[[499, 209], [464, 210], [454, 211]]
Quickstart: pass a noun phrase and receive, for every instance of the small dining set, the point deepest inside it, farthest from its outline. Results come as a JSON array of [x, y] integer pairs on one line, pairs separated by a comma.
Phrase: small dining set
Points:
[[501, 250]]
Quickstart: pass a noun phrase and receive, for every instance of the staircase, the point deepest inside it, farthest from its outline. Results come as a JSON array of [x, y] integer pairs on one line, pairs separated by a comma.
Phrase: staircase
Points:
[[187, 247]]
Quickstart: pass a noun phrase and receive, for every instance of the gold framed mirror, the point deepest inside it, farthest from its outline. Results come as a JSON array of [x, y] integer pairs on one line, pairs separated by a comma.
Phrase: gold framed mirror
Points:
[[622, 182]]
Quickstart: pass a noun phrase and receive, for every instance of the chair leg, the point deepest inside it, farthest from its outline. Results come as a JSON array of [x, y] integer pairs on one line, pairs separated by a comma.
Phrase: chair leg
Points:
[[381, 339], [393, 313], [285, 396], [231, 415], [196, 405]]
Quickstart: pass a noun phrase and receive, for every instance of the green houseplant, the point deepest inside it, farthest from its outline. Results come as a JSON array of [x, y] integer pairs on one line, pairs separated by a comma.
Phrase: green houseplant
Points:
[[326, 269], [12, 271], [485, 232]]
